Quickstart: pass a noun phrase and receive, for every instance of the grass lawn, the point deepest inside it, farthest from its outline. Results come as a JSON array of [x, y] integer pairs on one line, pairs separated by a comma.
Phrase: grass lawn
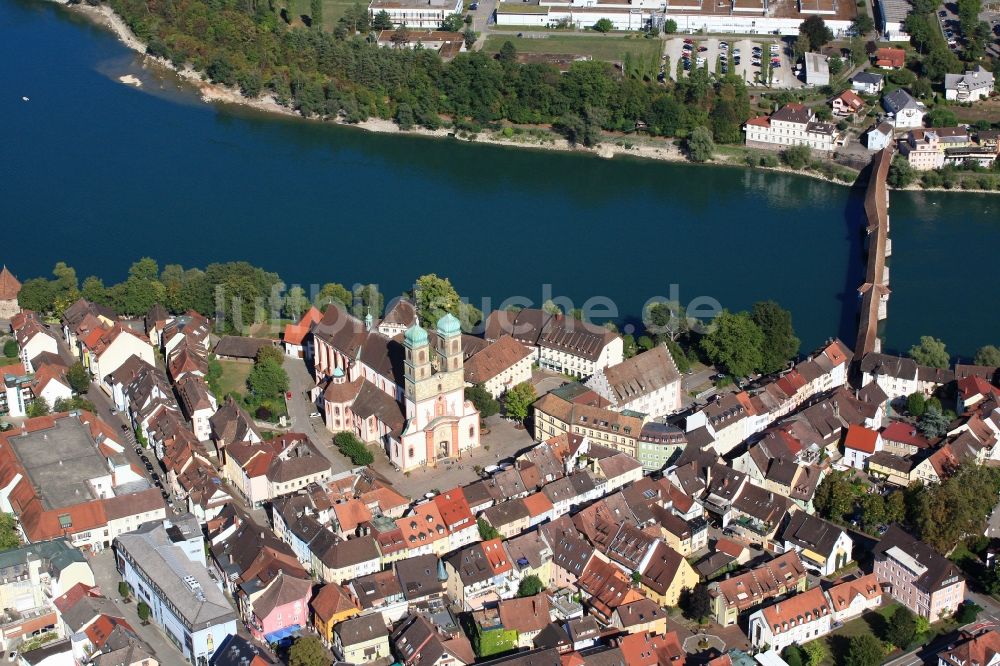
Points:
[[611, 47], [234, 377], [874, 622]]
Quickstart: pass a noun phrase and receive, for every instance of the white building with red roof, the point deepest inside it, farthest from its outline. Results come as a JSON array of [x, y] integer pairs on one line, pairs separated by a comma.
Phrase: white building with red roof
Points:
[[860, 443], [791, 125], [798, 619]]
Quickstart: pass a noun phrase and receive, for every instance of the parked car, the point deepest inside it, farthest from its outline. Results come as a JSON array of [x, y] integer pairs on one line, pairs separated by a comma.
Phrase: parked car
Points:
[[474, 6], [314, 415]]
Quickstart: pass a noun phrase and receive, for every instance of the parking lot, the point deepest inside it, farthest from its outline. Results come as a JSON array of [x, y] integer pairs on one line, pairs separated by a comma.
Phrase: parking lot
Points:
[[711, 48]]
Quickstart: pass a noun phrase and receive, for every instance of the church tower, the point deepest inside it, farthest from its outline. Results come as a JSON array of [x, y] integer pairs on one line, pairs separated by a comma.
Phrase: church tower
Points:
[[449, 345], [416, 362]]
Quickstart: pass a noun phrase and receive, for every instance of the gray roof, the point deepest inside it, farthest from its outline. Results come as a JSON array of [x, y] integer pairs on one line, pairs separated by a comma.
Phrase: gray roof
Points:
[[361, 629], [60, 461], [812, 532], [898, 100], [867, 77], [974, 79], [187, 585], [56, 554]]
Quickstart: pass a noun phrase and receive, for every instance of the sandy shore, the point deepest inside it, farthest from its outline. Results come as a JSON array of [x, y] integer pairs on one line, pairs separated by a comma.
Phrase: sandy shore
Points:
[[664, 150]]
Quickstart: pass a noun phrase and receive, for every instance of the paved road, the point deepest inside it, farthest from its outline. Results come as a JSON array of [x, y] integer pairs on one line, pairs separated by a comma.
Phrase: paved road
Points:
[[503, 441], [107, 578], [300, 407]]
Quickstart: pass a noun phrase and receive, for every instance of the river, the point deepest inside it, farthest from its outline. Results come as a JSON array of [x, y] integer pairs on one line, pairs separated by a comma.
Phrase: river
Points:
[[99, 173]]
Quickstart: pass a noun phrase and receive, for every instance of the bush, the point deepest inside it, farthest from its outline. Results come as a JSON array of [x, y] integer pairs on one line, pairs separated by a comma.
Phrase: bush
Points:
[[10, 349], [352, 447], [797, 156]]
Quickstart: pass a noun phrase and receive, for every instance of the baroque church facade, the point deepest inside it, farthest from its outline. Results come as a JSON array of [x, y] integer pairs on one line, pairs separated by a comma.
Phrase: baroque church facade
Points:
[[404, 390]]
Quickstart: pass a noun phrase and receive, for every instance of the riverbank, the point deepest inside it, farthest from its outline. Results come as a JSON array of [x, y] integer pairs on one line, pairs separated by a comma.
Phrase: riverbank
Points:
[[647, 148], [664, 150]]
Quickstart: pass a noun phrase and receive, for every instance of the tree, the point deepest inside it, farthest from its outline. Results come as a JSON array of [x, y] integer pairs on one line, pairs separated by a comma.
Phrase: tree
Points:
[[267, 380], [296, 302], [309, 651], [518, 399], [316, 13], [10, 348], [802, 46], [836, 65], [930, 352], [815, 28], [735, 343], [508, 52], [862, 24], [435, 297], [269, 354], [780, 344], [988, 355], [700, 145], [37, 407], [452, 23], [9, 537], [901, 174], [484, 402], [382, 21], [604, 25], [530, 586], [670, 26], [143, 610], [933, 423], [94, 290], [124, 590], [942, 514], [901, 628], [916, 404], [872, 510], [967, 612], [834, 496], [696, 602], [864, 650], [37, 294], [895, 507], [78, 378], [793, 655], [486, 531], [333, 292], [815, 653]]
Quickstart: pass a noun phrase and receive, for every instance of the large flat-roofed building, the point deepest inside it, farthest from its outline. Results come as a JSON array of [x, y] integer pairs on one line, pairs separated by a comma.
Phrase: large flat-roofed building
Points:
[[65, 476], [736, 16], [427, 14], [165, 567], [890, 17]]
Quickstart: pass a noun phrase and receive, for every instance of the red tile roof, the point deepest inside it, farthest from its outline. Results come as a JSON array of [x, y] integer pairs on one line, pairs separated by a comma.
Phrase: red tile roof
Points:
[[537, 504], [887, 57], [860, 438], [904, 433]]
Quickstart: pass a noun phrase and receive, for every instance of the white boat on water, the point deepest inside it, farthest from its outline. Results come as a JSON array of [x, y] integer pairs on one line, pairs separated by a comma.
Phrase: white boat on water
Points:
[[24, 99]]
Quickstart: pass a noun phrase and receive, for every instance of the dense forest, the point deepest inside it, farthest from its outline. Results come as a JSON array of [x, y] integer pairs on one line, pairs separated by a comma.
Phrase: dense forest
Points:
[[248, 44]]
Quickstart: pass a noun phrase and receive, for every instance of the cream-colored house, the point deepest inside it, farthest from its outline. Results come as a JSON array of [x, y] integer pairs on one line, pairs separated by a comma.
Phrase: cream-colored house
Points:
[[361, 640], [500, 366], [647, 383]]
